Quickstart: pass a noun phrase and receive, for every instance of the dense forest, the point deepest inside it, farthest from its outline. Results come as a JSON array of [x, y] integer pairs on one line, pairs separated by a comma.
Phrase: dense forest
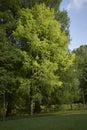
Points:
[[37, 69]]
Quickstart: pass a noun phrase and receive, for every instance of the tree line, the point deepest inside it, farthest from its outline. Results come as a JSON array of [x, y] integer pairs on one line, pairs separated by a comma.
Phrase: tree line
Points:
[[36, 67]]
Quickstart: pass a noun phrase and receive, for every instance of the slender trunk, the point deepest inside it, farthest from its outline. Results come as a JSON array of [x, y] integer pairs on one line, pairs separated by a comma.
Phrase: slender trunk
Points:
[[31, 107], [4, 105], [3, 98], [9, 109], [31, 101], [37, 108], [83, 97], [10, 98]]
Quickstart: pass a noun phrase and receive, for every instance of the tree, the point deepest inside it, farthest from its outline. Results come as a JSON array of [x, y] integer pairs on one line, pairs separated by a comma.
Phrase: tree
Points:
[[30, 37], [70, 86], [81, 67], [39, 35], [10, 62], [68, 93]]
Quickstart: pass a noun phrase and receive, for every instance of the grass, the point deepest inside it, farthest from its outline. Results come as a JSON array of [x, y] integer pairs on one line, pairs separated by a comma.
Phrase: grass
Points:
[[63, 121]]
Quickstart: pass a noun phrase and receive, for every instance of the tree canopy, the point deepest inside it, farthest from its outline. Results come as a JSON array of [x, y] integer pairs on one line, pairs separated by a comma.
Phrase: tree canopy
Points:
[[34, 53], [39, 34], [81, 67]]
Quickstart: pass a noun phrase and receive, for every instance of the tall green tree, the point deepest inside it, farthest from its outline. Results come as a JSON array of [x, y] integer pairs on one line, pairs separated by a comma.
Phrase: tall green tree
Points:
[[32, 43], [10, 62], [39, 34], [68, 93], [70, 89], [81, 67]]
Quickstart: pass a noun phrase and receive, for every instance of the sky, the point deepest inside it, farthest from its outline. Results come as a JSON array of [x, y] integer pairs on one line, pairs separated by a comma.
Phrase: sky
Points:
[[77, 12]]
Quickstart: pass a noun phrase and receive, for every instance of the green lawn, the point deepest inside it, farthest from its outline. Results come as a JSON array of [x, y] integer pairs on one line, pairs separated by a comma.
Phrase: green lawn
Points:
[[53, 122]]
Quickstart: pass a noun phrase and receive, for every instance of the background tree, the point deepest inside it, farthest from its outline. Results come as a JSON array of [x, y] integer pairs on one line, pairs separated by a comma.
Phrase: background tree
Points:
[[68, 93], [10, 62], [70, 86], [50, 3], [81, 68]]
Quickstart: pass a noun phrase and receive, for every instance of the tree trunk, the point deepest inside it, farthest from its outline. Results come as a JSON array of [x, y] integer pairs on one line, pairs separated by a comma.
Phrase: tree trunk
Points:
[[9, 109], [31, 104], [83, 97], [4, 106], [37, 108], [31, 108], [9, 104]]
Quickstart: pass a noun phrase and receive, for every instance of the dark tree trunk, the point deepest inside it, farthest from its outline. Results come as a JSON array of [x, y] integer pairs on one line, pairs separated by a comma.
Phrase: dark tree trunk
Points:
[[31, 107], [31, 104], [9, 110], [10, 98], [37, 108], [84, 102]]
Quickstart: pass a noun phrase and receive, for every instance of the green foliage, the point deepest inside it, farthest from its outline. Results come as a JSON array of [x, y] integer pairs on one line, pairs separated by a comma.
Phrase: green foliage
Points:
[[33, 51], [81, 68], [40, 36], [62, 17], [50, 3]]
